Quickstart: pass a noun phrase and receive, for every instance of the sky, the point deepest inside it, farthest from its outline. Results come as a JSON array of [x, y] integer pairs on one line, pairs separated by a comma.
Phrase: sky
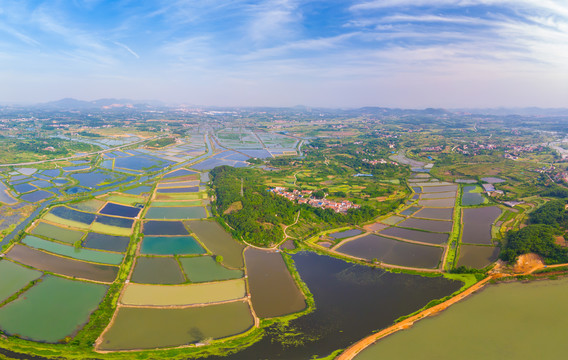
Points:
[[331, 53]]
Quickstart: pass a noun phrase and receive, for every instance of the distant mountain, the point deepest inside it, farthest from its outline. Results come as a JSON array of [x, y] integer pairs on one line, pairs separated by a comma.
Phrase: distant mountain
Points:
[[527, 111], [74, 104]]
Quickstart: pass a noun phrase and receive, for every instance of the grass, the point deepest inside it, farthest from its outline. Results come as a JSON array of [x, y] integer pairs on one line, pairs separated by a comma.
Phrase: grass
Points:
[[455, 235]]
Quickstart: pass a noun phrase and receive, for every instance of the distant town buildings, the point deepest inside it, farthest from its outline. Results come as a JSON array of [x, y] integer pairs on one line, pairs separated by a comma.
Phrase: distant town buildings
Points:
[[305, 197]]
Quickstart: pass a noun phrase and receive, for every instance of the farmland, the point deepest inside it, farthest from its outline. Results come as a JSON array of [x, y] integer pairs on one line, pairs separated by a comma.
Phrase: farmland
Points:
[[171, 245]]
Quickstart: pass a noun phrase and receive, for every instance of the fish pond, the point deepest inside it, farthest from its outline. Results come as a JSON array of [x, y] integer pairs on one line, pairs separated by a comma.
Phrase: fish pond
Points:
[[273, 289], [427, 225], [106, 242], [14, 277], [64, 266], [392, 251], [205, 269], [171, 245], [436, 213], [477, 257], [176, 213], [492, 324], [472, 196], [57, 233], [351, 301], [164, 228], [439, 203], [157, 270], [415, 235], [218, 241], [477, 224], [73, 252], [154, 328], [120, 210], [345, 234], [179, 295], [52, 309]]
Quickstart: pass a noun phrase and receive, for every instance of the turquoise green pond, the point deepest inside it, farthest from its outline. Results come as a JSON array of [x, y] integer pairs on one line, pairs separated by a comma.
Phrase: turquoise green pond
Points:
[[52, 309], [70, 251], [205, 268], [14, 277], [171, 245], [176, 213], [504, 321]]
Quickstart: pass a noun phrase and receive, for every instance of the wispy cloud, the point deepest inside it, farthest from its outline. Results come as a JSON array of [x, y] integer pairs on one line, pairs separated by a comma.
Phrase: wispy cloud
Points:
[[127, 49]]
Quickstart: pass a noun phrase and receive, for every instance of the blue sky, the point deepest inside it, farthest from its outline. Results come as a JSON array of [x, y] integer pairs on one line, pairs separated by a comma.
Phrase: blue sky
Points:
[[337, 53]]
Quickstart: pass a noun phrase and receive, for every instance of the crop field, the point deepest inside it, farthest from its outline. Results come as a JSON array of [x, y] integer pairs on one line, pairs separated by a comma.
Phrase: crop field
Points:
[[154, 328], [52, 309], [57, 233], [179, 295], [125, 200]]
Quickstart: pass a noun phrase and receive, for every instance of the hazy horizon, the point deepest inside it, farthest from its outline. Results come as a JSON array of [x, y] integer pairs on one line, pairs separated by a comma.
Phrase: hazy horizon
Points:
[[335, 54]]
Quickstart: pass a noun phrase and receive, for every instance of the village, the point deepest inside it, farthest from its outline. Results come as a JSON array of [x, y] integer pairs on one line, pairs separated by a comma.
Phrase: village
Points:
[[305, 197]]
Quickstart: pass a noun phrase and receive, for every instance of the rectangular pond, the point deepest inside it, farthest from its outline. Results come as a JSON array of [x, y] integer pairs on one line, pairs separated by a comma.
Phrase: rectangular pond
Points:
[[57, 233], [440, 195], [177, 213], [106, 242], [427, 225], [179, 295], [435, 213], [52, 309], [157, 270], [273, 289], [205, 269], [120, 210], [164, 228], [150, 328], [477, 257], [345, 234], [64, 266], [178, 190], [73, 252], [14, 277], [219, 242], [477, 224], [439, 189], [440, 203], [472, 196], [170, 245], [415, 235], [393, 252]]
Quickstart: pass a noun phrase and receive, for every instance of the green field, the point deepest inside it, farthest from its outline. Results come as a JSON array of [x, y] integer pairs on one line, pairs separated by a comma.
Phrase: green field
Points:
[[205, 269]]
